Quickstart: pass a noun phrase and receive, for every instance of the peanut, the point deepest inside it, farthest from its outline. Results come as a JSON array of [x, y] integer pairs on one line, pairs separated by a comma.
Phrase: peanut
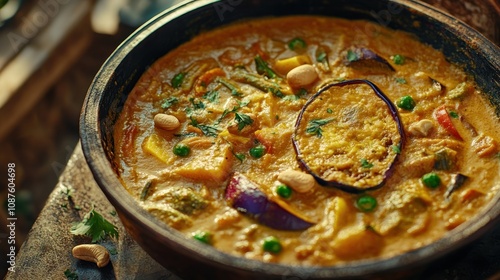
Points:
[[301, 76], [166, 122], [299, 181], [92, 253]]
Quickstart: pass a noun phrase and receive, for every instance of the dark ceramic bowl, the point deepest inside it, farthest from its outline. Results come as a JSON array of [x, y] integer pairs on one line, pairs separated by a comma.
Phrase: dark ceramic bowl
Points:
[[192, 260]]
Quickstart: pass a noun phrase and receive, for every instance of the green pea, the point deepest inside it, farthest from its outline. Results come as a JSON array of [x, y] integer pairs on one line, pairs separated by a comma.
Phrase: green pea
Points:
[[284, 191], [272, 245], [406, 103], [366, 203], [203, 236], [431, 180], [258, 151], [181, 150]]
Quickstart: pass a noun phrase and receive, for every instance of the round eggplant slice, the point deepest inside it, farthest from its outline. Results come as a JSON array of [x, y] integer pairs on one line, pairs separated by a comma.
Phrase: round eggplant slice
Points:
[[348, 136]]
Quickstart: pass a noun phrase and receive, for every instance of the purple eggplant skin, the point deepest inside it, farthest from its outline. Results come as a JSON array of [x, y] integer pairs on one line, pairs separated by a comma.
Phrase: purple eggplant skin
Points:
[[456, 182], [244, 195], [360, 55], [338, 185]]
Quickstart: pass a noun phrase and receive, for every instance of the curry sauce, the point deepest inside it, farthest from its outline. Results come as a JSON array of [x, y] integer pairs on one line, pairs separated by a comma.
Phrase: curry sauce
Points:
[[204, 141]]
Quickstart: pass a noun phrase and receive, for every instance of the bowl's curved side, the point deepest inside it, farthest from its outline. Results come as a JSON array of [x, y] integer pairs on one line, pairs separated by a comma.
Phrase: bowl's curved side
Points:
[[121, 71]]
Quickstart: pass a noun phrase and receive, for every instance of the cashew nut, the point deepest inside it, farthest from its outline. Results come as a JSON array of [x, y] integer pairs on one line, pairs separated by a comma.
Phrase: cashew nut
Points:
[[421, 128], [166, 122], [92, 253], [299, 181], [301, 76]]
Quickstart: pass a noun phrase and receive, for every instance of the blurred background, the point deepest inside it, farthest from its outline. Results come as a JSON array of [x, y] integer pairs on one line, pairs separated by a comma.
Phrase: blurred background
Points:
[[50, 51]]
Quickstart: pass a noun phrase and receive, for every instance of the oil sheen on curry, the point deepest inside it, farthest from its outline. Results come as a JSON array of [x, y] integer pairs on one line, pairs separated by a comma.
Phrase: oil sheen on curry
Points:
[[309, 141]]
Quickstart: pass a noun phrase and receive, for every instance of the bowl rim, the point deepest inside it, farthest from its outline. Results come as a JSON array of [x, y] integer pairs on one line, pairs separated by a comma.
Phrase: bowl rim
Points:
[[108, 181]]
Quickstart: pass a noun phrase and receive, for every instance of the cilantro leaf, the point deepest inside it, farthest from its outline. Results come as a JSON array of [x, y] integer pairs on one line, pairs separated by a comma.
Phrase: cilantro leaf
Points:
[[365, 163], [314, 126], [242, 120], [95, 226], [212, 96], [169, 102], [207, 130]]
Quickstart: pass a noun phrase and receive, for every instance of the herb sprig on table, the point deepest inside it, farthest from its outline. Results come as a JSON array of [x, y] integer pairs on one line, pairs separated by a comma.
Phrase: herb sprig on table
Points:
[[95, 226]]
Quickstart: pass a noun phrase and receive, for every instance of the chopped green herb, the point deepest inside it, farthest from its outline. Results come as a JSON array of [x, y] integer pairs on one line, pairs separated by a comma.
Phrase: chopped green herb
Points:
[[197, 105], [297, 44], [396, 149], [178, 79], [329, 110], [365, 163], [145, 190], [321, 55], [401, 80], [366, 203], [240, 156], [95, 226], [352, 56], [169, 102], [70, 275], [399, 59], [212, 96], [272, 245], [263, 68], [314, 127], [235, 91], [203, 236], [284, 191], [242, 120], [453, 114]]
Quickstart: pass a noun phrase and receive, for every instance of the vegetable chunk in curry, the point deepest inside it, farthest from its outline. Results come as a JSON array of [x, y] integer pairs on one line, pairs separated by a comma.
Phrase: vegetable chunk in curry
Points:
[[308, 140]]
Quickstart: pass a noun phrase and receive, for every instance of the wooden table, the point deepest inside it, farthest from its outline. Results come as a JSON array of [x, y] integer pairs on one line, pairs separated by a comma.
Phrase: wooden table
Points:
[[46, 254]]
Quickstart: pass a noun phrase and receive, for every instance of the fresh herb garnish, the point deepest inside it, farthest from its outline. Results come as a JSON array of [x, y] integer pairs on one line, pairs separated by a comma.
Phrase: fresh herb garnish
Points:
[[197, 105], [235, 91], [396, 149], [207, 130], [314, 127], [145, 190], [398, 59], [263, 68], [70, 275], [239, 156], [297, 44], [321, 56], [401, 80], [178, 79], [352, 56], [329, 110], [365, 163], [169, 102], [212, 96], [242, 120], [453, 114], [95, 226]]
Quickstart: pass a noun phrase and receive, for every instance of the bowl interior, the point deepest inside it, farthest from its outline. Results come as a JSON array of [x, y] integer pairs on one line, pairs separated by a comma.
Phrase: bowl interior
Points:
[[110, 88]]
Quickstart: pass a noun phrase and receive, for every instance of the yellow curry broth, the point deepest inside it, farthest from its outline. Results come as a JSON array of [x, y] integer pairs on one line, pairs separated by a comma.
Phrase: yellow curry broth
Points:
[[188, 192]]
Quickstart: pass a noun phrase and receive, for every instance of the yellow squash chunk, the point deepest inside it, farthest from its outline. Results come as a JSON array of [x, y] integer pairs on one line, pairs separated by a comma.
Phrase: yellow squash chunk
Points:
[[155, 145], [233, 138], [285, 65], [212, 164], [357, 241]]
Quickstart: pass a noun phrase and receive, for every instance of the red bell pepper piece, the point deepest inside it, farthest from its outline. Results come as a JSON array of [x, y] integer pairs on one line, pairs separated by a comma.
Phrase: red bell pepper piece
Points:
[[443, 118]]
